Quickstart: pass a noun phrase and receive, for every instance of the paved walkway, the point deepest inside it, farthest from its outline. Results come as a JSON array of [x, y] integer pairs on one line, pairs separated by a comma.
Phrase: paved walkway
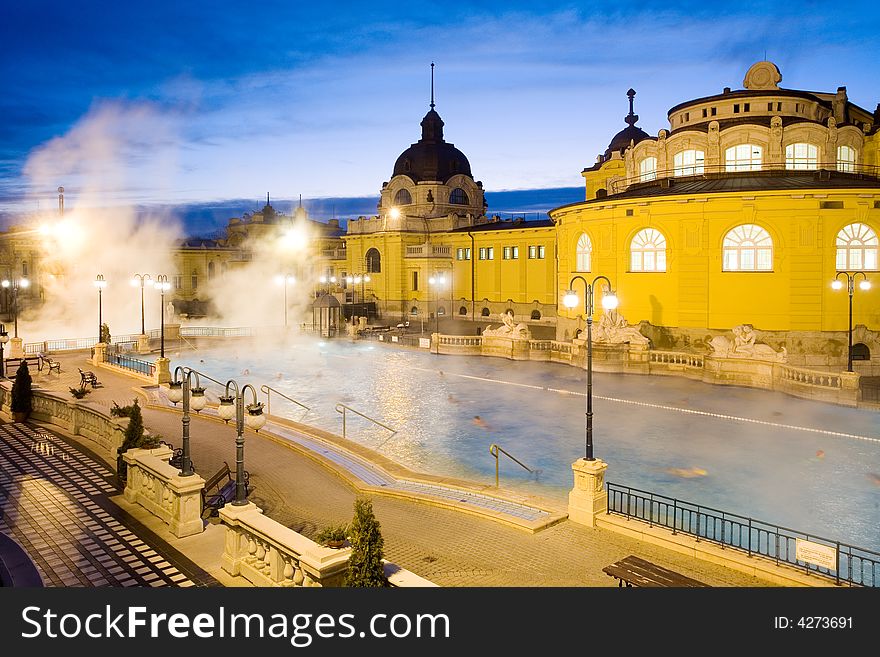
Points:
[[449, 547]]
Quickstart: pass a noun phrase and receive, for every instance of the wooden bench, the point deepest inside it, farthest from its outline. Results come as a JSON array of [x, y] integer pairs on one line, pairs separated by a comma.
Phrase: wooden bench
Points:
[[219, 490], [634, 571], [88, 378], [51, 363]]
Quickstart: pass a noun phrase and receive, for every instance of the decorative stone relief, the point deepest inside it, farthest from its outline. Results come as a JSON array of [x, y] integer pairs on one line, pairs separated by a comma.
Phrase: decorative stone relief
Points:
[[762, 75], [613, 328], [509, 329], [744, 345]]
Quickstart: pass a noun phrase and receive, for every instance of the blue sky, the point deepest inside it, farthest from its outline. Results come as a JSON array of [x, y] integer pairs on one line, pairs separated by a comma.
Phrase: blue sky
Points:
[[193, 104]]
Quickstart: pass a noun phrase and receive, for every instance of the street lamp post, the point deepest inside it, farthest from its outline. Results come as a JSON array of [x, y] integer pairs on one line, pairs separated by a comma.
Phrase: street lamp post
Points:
[[609, 302], [14, 285], [180, 389], [100, 283], [438, 282], [161, 283], [837, 284], [4, 338], [232, 405], [358, 279], [141, 279], [283, 280]]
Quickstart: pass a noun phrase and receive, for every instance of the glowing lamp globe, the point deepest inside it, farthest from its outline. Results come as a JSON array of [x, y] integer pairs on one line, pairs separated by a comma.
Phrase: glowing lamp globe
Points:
[[610, 301], [570, 300], [837, 285], [175, 391], [226, 409], [197, 399], [255, 418], [865, 285]]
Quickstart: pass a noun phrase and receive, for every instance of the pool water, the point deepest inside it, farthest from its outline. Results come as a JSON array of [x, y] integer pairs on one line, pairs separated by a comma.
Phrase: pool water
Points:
[[808, 466]]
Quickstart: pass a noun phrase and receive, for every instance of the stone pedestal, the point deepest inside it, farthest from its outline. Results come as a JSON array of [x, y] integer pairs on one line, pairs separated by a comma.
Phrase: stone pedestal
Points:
[[98, 356], [143, 346], [235, 544], [172, 331], [16, 348], [163, 371], [588, 498]]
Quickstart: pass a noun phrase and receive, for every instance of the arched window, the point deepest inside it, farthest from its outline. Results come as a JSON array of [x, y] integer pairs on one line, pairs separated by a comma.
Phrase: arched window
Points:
[[743, 157], [441, 310], [536, 314], [801, 156], [648, 251], [484, 312], [210, 270], [846, 158], [458, 197], [402, 197], [860, 351], [414, 310], [373, 261], [748, 248], [648, 169], [462, 310], [584, 253], [856, 248], [601, 192], [689, 163]]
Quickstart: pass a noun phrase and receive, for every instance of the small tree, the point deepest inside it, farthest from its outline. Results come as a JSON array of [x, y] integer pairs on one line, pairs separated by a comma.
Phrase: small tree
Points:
[[134, 434], [365, 563], [105, 333], [22, 390]]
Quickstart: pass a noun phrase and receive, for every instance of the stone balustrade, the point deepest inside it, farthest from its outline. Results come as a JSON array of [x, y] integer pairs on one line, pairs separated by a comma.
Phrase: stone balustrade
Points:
[[158, 487]]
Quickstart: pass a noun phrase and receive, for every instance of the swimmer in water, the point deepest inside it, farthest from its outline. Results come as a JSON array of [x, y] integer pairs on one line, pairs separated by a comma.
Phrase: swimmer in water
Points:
[[480, 422], [874, 477], [245, 371], [820, 454]]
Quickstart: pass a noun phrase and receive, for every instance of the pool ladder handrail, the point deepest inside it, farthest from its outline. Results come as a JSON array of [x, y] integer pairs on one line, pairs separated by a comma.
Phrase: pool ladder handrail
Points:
[[344, 408], [494, 449], [269, 389]]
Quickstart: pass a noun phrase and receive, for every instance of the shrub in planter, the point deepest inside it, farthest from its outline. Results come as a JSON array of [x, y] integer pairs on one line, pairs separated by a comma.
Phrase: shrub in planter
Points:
[[365, 563], [22, 393], [332, 535]]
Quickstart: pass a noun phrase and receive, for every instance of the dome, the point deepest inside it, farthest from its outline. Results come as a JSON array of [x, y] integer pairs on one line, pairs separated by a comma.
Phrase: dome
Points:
[[432, 158], [630, 134]]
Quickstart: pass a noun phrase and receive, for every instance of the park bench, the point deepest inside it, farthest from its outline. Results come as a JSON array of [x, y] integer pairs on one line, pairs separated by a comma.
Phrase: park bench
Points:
[[51, 363], [88, 377], [634, 571], [220, 490]]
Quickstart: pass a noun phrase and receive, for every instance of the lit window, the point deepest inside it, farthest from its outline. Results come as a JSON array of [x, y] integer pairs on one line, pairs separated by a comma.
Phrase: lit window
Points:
[[748, 248], [402, 197], [743, 157], [583, 254], [533, 252], [689, 163], [515, 253], [373, 260], [846, 158], [490, 253], [482, 253], [801, 156], [541, 252], [648, 251], [459, 254], [467, 254], [507, 252], [648, 169], [458, 197], [856, 248]]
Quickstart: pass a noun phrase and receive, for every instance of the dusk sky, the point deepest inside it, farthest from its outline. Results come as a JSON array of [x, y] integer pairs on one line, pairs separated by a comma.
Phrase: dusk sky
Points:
[[172, 103]]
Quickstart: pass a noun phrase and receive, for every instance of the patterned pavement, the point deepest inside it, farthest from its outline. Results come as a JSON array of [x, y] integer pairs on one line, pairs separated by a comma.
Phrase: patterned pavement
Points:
[[54, 501]]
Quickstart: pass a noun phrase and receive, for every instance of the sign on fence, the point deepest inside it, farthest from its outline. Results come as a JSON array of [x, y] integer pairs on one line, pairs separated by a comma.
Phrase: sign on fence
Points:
[[425, 343], [817, 554]]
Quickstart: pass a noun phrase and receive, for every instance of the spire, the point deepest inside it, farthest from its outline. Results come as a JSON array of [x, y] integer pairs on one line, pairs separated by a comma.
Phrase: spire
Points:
[[300, 200], [631, 118], [432, 85]]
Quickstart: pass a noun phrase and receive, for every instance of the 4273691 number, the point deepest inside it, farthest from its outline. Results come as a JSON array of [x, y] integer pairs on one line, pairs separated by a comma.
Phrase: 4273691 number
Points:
[[813, 622]]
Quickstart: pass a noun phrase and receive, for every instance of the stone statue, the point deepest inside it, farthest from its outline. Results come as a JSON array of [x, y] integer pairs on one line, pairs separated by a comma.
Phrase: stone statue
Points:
[[509, 329], [614, 329], [744, 345]]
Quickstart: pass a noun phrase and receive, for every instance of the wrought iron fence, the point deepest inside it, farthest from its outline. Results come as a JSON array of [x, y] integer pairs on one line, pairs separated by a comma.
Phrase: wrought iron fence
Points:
[[855, 566], [129, 363], [215, 332]]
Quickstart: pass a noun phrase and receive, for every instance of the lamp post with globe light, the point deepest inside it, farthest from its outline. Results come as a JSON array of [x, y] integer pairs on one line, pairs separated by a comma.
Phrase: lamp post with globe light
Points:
[[13, 287], [232, 406], [100, 283], [284, 280], [837, 284], [4, 338], [609, 302], [438, 282]]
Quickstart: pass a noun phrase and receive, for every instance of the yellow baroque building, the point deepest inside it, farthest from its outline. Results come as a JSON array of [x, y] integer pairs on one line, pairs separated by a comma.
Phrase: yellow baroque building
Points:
[[742, 212]]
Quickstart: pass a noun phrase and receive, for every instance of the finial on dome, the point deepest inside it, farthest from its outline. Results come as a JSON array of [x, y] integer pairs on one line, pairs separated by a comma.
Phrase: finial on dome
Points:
[[432, 85], [631, 118]]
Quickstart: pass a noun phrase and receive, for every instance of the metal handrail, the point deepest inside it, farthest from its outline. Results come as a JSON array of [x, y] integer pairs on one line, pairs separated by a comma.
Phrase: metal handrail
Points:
[[344, 408], [495, 449], [268, 389]]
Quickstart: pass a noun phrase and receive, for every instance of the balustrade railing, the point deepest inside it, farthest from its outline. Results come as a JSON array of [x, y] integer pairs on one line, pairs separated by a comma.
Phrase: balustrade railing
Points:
[[676, 358], [810, 377], [132, 364]]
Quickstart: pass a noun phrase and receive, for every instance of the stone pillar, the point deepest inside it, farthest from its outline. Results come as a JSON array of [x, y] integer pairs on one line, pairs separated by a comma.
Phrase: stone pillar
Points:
[[143, 344], [98, 358], [163, 371], [16, 348], [849, 388], [172, 332], [588, 498], [235, 545]]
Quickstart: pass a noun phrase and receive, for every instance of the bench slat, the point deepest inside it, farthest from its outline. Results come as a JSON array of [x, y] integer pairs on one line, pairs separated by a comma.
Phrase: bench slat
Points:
[[638, 572]]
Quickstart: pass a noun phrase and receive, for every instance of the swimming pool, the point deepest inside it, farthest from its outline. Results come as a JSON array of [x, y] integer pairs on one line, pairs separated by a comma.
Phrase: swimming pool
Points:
[[804, 465]]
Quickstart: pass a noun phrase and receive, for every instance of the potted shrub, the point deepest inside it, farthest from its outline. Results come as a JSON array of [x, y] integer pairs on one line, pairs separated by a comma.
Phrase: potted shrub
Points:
[[22, 393], [365, 567], [80, 392], [333, 536]]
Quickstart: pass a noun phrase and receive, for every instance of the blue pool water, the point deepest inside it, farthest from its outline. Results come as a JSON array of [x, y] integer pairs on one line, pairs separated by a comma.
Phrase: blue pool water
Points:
[[808, 466]]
